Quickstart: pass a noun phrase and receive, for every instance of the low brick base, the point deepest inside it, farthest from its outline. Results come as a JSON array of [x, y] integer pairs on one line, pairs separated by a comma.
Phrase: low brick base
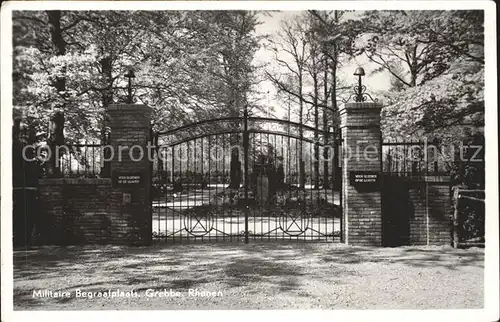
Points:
[[86, 211], [417, 211], [363, 219]]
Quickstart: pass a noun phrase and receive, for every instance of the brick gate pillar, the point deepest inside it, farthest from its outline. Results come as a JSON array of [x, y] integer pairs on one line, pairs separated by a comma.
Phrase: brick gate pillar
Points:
[[361, 173], [130, 169]]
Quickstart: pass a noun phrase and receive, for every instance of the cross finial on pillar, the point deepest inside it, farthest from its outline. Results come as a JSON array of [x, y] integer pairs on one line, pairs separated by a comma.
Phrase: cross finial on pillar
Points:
[[130, 74]]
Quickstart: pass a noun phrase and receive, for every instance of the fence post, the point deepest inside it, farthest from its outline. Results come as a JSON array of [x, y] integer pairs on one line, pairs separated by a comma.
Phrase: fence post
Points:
[[456, 193], [130, 168], [105, 152], [361, 173]]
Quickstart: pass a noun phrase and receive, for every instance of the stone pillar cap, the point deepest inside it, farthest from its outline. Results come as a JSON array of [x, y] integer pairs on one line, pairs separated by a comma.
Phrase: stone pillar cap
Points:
[[364, 107], [361, 105], [128, 107]]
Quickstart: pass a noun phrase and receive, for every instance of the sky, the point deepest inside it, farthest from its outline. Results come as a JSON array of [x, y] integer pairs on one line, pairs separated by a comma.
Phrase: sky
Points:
[[270, 24]]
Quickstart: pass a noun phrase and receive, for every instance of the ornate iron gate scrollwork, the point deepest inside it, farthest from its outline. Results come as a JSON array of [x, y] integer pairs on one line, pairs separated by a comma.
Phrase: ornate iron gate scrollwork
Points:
[[286, 192]]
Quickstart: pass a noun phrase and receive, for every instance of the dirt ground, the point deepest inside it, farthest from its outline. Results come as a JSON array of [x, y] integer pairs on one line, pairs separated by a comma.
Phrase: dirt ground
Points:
[[252, 276]]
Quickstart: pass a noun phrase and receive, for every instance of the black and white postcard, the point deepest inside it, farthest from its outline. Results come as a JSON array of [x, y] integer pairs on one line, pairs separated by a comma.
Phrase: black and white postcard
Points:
[[219, 160]]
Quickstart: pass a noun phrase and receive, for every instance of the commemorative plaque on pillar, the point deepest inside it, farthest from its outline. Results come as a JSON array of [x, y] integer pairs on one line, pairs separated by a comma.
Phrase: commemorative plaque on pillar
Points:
[[130, 168]]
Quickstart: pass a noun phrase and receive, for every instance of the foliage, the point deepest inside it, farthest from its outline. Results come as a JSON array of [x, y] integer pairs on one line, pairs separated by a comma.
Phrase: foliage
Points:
[[445, 107], [470, 212], [188, 65], [468, 169], [436, 62]]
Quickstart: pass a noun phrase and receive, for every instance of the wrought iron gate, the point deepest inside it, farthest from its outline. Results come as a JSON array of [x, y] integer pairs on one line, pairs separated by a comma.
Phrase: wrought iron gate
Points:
[[242, 178]]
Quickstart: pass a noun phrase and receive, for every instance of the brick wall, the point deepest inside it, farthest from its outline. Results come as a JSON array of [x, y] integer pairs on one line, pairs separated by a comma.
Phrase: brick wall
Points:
[[82, 211], [399, 211], [76, 211], [417, 211], [439, 214]]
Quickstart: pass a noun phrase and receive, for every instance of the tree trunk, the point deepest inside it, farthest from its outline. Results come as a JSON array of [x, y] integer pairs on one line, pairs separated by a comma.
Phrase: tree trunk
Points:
[[316, 123], [288, 161], [107, 99], [302, 172], [59, 46], [107, 71], [57, 139], [413, 68], [235, 170], [235, 173], [58, 43], [336, 173], [326, 183]]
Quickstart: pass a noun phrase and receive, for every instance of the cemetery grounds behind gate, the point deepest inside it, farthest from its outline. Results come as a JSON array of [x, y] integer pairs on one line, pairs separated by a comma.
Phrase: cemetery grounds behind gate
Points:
[[246, 178]]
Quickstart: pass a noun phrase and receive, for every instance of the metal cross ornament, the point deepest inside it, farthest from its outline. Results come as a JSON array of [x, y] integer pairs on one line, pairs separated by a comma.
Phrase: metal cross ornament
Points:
[[130, 74]]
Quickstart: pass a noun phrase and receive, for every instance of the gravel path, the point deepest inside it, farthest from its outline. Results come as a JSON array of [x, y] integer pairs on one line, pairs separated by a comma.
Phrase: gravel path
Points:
[[253, 276]]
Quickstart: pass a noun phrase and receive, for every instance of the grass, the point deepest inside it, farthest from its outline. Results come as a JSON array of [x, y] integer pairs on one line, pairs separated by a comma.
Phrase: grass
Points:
[[253, 276]]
